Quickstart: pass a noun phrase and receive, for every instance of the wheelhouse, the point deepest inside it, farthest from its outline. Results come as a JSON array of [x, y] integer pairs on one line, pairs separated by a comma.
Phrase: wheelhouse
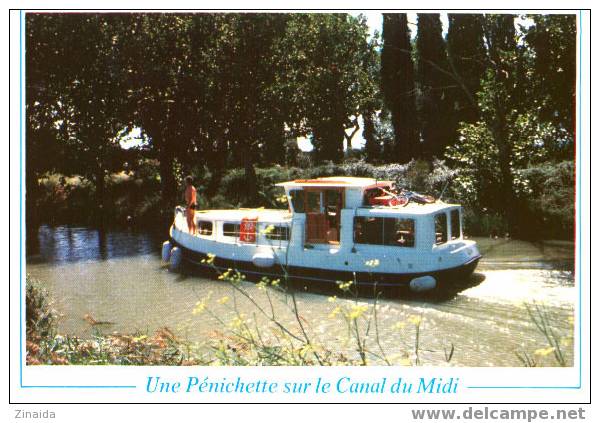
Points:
[[328, 205]]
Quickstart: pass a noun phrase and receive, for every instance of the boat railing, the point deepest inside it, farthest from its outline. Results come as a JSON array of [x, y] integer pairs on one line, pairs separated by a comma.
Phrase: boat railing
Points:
[[271, 233]]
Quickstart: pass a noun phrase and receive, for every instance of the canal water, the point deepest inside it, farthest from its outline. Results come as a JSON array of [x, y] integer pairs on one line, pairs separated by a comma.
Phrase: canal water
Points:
[[117, 277]]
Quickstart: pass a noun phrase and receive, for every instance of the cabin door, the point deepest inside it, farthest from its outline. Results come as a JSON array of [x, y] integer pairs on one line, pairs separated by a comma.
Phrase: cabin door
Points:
[[323, 211]]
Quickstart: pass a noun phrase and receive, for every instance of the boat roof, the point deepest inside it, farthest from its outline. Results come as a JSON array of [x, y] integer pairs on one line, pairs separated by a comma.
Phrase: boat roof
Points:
[[337, 182], [411, 208]]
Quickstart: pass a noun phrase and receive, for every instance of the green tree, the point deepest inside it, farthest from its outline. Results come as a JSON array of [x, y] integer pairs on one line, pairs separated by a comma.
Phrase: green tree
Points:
[[323, 80], [501, 156], [498, 104], [398, 86], [435, 86], [86, 103], [553, 40], [372, 103], [488, 145], [254, 96], [158, 58], [43, 152], [467, 60]]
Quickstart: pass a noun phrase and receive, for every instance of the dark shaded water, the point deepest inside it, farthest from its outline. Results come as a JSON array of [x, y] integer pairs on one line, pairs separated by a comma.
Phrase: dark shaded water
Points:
[[117, 276]]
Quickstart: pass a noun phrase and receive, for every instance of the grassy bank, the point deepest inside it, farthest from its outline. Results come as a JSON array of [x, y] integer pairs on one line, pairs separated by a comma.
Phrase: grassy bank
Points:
[[46, 346]]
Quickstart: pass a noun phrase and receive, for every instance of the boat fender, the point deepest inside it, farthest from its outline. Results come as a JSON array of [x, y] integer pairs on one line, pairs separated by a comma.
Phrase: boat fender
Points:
[[423, 283], [166, 251], [175, 259], [263, 259]]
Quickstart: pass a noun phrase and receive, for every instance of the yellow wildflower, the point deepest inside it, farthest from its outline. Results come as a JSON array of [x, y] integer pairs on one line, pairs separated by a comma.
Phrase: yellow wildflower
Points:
[[544, 351], [357, 311], [415, 320], [236, 323], [223, 300], [306, 348], [345, 286], [335, 312], [372, 263], [210, 258], [269, 229], [399, 325], [199, 308]]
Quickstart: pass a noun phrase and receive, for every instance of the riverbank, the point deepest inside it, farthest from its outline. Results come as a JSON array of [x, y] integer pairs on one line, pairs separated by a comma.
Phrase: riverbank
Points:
[[132, 198], [46, 346]]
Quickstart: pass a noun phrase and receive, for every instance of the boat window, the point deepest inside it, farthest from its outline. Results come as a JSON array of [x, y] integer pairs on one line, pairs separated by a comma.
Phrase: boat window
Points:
[[333, 199], [205, 227], [368, 230], [441, 228], [313, 201], [297, 200], [399, 232], [455, 223], [231, 229], [279, 233], [384, 231]]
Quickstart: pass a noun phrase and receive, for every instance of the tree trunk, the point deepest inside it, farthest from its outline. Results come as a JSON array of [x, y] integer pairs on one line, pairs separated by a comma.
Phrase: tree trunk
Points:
[[167, 180], [251, 180], [216, 165], [32, 212], [499, 133], [329, 140], [372, 147], [100, 188]]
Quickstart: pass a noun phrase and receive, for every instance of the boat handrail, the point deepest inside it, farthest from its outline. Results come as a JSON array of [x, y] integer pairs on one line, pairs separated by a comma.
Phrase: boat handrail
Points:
[[261, 233]]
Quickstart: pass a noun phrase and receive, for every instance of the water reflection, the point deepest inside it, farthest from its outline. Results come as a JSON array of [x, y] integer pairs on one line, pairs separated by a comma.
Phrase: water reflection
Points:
[[71, 244]]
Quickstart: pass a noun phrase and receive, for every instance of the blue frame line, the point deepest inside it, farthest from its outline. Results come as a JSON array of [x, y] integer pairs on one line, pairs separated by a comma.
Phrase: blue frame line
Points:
[[578, 167], [579, 187], [21, 199], [526, 387], [78, 386]]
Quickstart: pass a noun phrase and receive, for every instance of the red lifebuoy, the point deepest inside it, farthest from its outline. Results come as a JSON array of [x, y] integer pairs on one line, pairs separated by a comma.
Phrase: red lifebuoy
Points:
[[248, 229]]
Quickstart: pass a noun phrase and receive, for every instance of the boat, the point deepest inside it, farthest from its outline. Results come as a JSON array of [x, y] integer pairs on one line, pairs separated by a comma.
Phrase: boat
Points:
[[336, 229]]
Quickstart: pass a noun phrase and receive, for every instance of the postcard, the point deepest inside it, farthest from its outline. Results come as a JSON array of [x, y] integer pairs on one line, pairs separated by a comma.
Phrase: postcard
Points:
[[290, 206]]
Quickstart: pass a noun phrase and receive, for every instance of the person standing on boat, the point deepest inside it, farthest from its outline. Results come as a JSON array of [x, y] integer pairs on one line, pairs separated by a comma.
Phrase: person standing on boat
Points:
[[190, 202]]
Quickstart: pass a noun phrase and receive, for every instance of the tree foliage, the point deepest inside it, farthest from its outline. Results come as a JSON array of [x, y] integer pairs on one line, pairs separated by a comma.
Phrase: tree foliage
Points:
[[325, 78], [435, 86], [553, 74], [467, 59], [215, 91], [398, 85], [513, 135]]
